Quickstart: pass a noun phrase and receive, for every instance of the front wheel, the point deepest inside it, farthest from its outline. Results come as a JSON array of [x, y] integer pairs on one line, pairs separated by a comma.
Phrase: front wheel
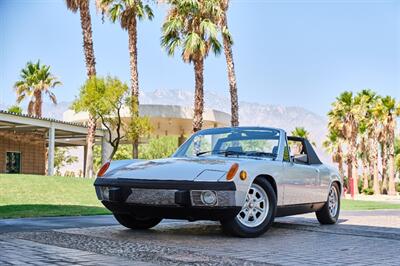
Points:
[[133, 222], [329, 214], [257, 214]]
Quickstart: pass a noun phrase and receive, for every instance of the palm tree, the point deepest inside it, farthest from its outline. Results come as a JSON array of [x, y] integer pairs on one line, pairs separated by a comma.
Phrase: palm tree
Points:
[[127, 12], [366, 100], [86, 25], [345, 115], [333, 145], [36, 80], [227, 41], [302, 133], [193, 26], [391, 111]]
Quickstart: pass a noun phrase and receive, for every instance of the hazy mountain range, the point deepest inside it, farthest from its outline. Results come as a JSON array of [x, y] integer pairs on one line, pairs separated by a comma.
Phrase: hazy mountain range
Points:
[[251, 114]]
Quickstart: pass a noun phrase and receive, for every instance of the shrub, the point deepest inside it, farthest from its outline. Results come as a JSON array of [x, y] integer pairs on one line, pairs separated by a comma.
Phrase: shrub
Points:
[[368, 191]]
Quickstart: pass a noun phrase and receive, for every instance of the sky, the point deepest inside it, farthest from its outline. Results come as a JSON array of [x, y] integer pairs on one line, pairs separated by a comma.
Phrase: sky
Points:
[[290, 53]]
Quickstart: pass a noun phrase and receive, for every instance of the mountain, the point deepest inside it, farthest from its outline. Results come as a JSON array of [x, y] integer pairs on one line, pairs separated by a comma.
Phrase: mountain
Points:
[[251, 114]]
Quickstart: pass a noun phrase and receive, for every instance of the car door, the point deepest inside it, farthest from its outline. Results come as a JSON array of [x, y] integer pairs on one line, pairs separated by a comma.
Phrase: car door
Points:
[[300, 183], [300, 178]]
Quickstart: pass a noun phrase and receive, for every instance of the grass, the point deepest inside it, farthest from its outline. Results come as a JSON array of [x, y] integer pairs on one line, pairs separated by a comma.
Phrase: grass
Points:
[[35, 196], [353, 205]]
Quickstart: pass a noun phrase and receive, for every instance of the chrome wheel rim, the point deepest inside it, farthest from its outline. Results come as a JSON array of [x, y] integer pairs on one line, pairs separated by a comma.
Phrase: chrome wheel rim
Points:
[[256, 207], [333, 200]]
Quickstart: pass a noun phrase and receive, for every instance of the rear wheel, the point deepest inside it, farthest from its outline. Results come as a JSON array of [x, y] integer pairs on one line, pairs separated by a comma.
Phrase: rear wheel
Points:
[[257, 214], [329, 214], [133, 222]]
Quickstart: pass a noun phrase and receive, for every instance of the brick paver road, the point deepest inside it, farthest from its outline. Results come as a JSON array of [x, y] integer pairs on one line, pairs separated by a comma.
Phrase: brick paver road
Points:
[[292, 241]]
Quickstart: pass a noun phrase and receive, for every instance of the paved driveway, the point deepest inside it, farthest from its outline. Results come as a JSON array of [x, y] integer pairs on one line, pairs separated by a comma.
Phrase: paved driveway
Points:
[[361, 238]]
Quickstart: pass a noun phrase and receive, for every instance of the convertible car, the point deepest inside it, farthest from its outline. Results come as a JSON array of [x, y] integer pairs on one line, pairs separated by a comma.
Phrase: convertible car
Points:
[[243, 177]]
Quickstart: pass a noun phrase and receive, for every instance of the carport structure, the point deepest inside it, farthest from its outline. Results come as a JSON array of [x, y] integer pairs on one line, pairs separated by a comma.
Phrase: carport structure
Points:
[[24, 138]]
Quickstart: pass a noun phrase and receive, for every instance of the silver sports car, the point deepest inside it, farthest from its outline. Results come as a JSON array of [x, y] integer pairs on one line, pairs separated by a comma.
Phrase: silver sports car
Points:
[[243, 177]]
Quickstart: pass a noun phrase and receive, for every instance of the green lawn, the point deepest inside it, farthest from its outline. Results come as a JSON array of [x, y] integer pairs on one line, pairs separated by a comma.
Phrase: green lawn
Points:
[[354, 205], [33, 196]]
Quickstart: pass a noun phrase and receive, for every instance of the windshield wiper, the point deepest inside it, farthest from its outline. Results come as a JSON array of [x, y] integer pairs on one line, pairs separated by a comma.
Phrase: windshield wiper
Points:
[[224, 152], [261, 153]]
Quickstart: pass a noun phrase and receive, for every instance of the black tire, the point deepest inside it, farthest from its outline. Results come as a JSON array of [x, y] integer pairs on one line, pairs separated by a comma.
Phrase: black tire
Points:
[[133, 222], [324, 216], [236, 228]]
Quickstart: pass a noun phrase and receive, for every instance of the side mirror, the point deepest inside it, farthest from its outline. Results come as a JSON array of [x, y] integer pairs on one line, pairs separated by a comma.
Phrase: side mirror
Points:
[[301, 158]]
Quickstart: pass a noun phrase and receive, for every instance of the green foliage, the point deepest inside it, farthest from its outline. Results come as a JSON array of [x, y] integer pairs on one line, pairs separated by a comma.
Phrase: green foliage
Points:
[[15, 109], [192, 26], [124, 152], [36, 79], [368, 191], [156, 148], [397, 153], [138, 126], [161, 147], [125, 10], [63, 158], [104, 99]]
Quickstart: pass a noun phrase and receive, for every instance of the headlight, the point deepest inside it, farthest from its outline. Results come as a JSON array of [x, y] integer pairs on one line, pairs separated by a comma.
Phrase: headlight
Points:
[[209, 197]]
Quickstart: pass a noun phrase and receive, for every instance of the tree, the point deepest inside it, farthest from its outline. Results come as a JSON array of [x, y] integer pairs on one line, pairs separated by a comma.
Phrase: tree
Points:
[[228, 42], [345, 117], [366, 100], [104, 99], [193, 27], [63, 158], [36, 80], [302, 133], [86, 25], [391, 111], [333, 145], [397, 154], [15, 109], [161, 147], [127, 12]]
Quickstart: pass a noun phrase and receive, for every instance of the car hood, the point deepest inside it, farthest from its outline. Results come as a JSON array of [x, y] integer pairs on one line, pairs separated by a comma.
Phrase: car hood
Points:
[[192, 169]]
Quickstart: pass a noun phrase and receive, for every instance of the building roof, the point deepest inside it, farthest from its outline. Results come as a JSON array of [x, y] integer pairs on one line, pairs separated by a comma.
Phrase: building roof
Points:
[[66, 133]]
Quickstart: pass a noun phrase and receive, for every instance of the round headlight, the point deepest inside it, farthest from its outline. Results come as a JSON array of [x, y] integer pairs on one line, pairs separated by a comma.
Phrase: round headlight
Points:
[[209, 197]]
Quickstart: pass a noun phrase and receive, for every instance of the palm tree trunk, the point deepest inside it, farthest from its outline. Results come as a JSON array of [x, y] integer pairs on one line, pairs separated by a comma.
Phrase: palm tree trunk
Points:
[[384, 167], [391, 156], [132, 35], [199, 95], [365, 173], [86, 25], [374, 160], [38, 103], [340, 162], [373, 139], [231, 75], [31, 108], [87, 38], [90, 141]]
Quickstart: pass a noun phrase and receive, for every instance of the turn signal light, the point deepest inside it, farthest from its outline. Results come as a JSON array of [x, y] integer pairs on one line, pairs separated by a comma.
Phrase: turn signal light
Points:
[[243, 175], [103, 169], [232, 171]]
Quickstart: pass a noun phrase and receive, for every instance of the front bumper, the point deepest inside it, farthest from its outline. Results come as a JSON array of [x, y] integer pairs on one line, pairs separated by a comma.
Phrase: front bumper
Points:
[[167, 199]]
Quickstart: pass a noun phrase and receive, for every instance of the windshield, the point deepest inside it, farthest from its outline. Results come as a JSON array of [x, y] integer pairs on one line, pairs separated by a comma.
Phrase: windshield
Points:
[[258, 142]]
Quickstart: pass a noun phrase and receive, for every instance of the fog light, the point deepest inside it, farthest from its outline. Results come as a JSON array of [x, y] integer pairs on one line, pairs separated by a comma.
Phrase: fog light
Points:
[[105, 192], [209, 197]]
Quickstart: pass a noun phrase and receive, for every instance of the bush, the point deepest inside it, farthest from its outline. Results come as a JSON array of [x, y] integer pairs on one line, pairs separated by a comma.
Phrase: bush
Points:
[[368, 191], [398, 187]]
